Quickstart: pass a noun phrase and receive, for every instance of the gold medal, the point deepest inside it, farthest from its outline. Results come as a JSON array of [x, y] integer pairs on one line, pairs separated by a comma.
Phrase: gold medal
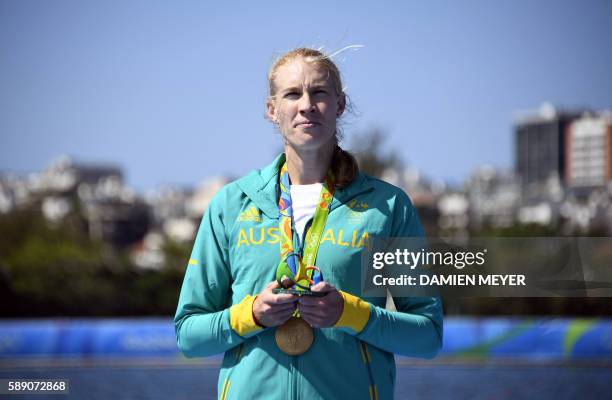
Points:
[[294, 337]]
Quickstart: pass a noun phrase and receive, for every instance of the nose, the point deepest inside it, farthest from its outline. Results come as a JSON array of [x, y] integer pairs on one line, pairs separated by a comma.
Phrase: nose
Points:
[[306, 104]]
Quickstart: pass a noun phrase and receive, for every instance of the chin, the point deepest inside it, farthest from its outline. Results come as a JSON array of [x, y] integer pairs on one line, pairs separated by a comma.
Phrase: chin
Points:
[[314, 144], [310, 139], [313, 134]]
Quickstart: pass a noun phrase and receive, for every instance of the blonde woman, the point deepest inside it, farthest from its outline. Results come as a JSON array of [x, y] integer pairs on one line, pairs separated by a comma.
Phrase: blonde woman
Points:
[[274, 277]]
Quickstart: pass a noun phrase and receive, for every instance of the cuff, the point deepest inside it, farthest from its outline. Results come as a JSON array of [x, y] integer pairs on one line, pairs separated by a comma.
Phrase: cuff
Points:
[[241, 317], [355, 314]]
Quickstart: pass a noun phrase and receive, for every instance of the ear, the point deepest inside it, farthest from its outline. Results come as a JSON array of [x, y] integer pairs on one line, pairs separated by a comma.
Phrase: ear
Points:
[[271, 111], [341, 105]]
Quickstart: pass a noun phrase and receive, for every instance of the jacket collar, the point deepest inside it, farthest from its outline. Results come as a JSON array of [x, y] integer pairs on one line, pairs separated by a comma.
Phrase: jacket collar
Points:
[[260, 187]]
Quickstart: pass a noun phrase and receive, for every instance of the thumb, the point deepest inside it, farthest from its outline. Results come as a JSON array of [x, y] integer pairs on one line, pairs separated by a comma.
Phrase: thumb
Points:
[[323, 286], [272, 285]]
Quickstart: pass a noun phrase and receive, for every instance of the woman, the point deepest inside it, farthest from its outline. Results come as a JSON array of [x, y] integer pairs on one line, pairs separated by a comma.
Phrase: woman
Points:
[[329, 343]]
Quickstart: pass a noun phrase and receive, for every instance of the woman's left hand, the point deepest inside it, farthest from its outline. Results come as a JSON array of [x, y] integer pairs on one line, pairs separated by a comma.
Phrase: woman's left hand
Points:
[[321, 312]]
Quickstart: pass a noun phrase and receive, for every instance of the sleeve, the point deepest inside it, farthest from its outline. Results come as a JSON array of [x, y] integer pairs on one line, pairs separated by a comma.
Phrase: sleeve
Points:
[[415, 329], [204, 323]]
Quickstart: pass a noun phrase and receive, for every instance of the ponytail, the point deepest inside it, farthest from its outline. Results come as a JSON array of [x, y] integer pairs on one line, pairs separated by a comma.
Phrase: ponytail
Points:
[[344, 167]]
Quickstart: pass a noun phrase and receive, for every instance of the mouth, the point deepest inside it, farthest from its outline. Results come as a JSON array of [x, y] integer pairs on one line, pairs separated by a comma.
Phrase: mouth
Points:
[[307, 124]]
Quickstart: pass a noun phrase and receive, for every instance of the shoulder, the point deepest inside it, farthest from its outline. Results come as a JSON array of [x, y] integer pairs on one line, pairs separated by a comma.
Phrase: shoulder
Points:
[[395, 203], [229, 196], [387, 191]]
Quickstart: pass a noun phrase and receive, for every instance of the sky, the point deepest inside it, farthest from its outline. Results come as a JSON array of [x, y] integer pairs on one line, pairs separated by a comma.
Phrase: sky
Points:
[[174, 92]]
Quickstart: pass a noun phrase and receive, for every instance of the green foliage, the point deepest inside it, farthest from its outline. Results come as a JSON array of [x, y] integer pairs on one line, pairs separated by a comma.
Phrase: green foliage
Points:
[[517, 230], [369, 150], [56, 270]]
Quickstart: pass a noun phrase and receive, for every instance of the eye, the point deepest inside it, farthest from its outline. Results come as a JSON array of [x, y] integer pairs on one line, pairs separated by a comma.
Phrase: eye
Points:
[[291, 95], [320, 91]]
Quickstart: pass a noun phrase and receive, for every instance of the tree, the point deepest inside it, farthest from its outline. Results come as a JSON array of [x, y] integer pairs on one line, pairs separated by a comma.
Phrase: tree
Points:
[[369, 150]]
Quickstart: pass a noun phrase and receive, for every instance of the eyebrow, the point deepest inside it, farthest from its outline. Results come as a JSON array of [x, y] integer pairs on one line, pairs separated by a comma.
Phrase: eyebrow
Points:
[[315, 86]]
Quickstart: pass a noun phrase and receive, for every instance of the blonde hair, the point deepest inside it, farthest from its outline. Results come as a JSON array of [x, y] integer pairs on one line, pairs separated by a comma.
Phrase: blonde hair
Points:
[[344, 166], [316, 57]]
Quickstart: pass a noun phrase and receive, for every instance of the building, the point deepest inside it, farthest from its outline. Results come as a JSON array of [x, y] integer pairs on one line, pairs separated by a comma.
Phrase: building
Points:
[[588, 161], [203, 194], [540, 145], [453, 209], [65, 175], [493, 196]]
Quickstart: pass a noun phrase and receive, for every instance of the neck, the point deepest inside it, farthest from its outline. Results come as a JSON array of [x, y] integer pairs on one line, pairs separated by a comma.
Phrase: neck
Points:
[[306, 167]]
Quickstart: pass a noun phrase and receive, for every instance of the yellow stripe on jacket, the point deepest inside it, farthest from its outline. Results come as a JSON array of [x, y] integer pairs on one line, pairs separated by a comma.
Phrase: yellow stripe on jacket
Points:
[[355, 314], [241, 317]]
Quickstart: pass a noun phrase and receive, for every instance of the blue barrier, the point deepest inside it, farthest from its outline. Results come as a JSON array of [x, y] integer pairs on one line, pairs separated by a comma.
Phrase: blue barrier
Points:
[[88, 338], [545, 339]]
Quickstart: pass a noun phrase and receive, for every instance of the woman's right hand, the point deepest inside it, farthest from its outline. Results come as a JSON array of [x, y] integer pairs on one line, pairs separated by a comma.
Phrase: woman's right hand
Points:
[[270, 309]]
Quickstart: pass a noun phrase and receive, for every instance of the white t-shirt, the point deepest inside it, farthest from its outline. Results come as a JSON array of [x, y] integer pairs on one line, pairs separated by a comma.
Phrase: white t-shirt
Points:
[[304, 200]]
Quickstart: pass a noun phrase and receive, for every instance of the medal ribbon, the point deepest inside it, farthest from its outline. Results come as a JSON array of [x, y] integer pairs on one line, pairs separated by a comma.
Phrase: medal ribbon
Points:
[[301, 270]]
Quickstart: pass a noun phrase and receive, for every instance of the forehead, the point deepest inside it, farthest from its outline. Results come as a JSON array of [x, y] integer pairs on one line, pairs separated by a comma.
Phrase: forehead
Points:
[[298, 73]]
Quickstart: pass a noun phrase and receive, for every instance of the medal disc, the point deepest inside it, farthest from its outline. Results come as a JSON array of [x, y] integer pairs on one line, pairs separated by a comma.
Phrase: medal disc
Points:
[[294, 337]]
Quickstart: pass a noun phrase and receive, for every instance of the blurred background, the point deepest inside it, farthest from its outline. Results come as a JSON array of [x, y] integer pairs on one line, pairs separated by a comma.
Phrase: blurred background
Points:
[[119, 121]]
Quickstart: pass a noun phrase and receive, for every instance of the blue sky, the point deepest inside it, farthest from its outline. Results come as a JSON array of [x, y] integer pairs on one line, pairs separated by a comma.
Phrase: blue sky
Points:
[[174, 92]]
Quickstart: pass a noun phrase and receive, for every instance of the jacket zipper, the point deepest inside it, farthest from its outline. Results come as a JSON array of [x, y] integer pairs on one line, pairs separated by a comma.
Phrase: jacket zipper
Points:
[[295, 360], [365, 354], [294, 377], [293, 390]]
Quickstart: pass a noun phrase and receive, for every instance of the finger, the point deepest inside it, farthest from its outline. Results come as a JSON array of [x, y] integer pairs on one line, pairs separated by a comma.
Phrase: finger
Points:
[[272, 311], [323, 286], [312, 312], [311, 306], [267, 293], [277, 299], [272, 285], [308, 318], [311, 301], [313, 321], [283, 319], [274, 319], [280, 308], [282, 316], [269, 297]]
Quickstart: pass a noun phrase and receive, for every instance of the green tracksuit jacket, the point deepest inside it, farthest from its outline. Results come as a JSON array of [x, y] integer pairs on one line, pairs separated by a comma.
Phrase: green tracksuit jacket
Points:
[[235, 256]]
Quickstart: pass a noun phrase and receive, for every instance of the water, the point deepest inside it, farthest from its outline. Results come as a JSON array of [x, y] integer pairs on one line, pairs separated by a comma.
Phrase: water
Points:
[[438, 380]]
